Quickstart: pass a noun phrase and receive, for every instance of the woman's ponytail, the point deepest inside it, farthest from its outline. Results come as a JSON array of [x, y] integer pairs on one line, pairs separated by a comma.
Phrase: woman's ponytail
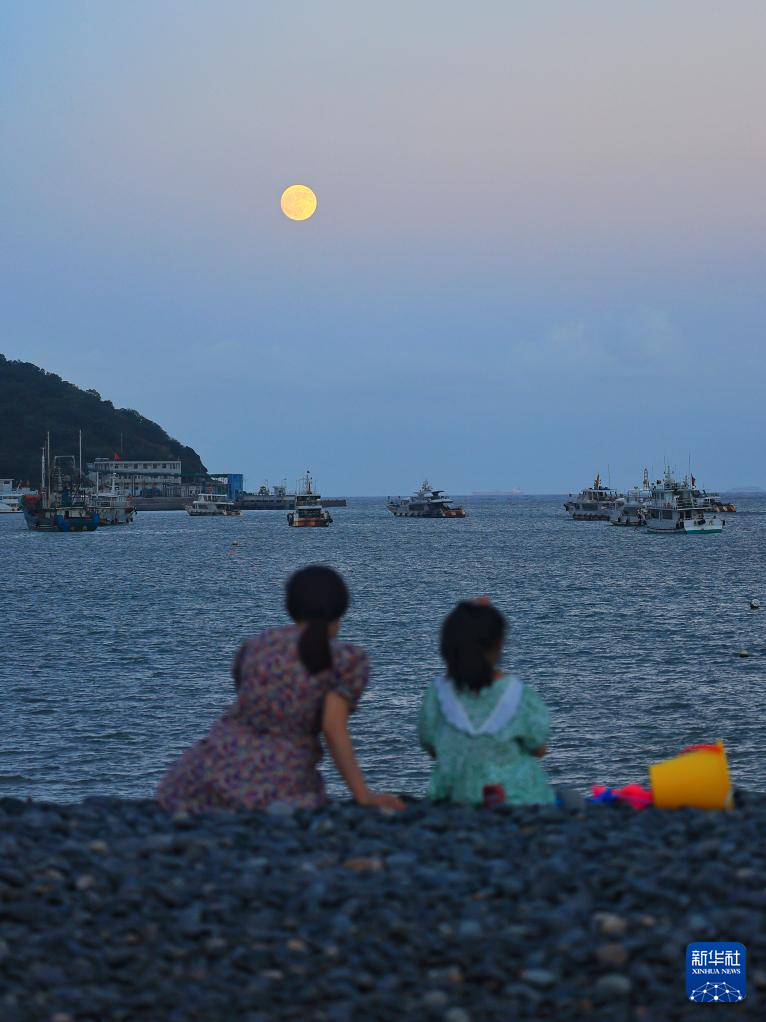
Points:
[[470, 633], [316, 596], [314, 647]]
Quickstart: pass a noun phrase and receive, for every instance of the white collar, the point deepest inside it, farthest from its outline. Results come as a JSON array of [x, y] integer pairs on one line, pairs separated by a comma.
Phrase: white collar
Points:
[[504, 711]]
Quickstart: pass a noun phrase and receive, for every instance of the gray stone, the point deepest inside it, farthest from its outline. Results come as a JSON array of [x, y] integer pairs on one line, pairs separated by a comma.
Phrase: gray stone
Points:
[[434, 999], [470, 929], [539, 977], [613, 984]]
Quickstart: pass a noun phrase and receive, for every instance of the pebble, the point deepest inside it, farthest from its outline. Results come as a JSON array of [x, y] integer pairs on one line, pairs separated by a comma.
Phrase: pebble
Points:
[[435, 999], [539, 977], [456, 1015], [612, 954], [613, 984], [114, 911], [610, 924], [364, 865], [280, 810]]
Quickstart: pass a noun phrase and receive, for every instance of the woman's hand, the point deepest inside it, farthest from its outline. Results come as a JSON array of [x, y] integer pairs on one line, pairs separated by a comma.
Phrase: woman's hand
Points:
[[541, 751], [382, 800]]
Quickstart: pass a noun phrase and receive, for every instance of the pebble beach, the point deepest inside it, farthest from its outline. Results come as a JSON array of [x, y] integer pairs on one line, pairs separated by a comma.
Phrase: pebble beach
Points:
[[113, 911]]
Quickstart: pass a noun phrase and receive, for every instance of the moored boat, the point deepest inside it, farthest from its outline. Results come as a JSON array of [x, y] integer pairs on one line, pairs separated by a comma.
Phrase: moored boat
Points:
[[308, 512], [593, 504], [675, 510], [10, 496], [426, 503], [62, 512], [712, 500], [113, 508], [630, 510], [209, 505], [59, 506]]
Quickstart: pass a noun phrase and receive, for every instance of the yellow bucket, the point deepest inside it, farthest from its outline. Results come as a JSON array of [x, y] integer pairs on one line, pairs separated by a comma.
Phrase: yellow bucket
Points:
[[699, 777]]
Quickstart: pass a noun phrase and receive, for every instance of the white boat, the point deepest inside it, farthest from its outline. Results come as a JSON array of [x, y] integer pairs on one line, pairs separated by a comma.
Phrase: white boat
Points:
[[426, 503], [630, 510], [10, 497], [675, 510], [207, 505], [113, 508], [308, 512], [594, 504]]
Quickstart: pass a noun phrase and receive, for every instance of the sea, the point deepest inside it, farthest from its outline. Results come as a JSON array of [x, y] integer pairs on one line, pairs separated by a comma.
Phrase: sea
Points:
[[116, 646]]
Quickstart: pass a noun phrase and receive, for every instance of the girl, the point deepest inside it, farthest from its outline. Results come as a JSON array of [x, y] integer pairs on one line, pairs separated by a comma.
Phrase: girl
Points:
[[292, 684], [483, 727]]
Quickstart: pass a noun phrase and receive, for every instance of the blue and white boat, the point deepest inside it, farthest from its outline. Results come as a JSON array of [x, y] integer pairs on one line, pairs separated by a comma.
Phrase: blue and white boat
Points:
[[57, 510], [62, 512]]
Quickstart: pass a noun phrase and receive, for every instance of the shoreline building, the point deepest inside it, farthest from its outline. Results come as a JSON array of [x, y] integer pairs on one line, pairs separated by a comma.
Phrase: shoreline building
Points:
[[143, 478]]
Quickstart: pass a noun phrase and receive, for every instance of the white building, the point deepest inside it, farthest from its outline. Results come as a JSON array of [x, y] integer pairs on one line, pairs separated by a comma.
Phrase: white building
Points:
[[141, 478]]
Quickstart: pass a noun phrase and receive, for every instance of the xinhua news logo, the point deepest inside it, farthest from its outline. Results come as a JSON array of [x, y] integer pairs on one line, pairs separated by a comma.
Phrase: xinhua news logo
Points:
[[715, 971]]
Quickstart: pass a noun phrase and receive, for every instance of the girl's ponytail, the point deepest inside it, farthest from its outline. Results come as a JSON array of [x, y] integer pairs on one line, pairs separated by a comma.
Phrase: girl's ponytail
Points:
[[470, 633]]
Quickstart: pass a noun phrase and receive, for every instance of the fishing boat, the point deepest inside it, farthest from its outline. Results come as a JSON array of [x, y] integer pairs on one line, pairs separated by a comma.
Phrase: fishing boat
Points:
[[426, 503], [712, 500], [59, 506], [674, 510], [208, 505], [113, 508], [308, 512], [594, 504], [630, 510]]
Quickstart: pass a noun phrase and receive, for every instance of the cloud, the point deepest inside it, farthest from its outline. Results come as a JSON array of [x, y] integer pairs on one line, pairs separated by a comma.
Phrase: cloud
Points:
[[643, 340]]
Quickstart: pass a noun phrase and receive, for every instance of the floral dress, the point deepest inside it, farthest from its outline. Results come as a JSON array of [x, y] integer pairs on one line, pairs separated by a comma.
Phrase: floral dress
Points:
[[485, 737], [265, 747]]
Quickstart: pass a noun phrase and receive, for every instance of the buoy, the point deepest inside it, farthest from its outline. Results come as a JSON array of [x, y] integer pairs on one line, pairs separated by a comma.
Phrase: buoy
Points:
[[755, 604], [743, 652]]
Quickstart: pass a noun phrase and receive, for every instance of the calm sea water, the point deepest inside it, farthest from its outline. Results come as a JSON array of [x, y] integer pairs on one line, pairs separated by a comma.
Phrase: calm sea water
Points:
[[115, 647]]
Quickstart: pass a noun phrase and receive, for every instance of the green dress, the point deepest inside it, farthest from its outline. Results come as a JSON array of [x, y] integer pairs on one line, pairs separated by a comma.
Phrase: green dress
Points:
[[470, 752]]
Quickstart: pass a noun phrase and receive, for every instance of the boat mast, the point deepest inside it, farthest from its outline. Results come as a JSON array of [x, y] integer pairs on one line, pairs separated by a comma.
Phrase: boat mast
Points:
[[80, 455], [42, 471], [48, 463]]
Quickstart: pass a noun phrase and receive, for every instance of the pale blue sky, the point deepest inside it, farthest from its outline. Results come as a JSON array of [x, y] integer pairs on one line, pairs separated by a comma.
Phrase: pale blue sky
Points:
[[540, 246]]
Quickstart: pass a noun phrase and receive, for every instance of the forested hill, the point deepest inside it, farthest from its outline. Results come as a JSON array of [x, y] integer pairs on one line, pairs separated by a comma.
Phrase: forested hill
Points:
[[34, 402]]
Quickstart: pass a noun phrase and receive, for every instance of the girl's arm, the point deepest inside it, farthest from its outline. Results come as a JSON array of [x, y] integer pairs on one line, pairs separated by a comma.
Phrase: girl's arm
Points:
[[334, 727], [537, 724]]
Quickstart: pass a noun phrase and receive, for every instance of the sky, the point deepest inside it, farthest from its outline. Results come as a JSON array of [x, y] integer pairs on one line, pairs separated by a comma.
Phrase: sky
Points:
[[539, 250]]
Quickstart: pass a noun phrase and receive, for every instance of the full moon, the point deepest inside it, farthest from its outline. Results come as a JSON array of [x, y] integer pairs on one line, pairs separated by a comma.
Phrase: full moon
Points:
[[298, 202]]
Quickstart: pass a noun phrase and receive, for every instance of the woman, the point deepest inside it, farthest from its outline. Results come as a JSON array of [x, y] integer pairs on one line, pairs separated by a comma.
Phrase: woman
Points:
[[292, 684], [483, 727]]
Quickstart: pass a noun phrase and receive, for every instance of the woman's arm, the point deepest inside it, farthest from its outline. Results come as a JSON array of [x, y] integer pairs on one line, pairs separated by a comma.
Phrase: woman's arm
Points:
[[335, 730]]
